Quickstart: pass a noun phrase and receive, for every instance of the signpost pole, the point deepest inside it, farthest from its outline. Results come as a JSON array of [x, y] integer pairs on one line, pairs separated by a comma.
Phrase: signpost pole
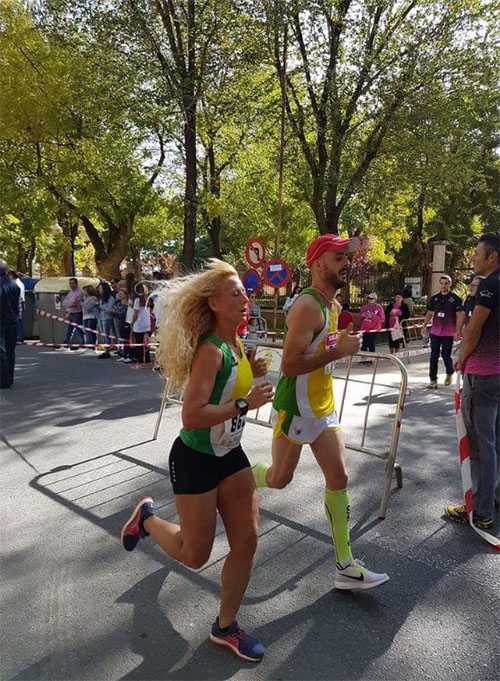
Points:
[[277, 245]]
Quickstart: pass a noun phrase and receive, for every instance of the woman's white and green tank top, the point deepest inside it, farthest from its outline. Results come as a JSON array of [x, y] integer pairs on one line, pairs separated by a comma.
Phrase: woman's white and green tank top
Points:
[[233, 380], [311, 394]]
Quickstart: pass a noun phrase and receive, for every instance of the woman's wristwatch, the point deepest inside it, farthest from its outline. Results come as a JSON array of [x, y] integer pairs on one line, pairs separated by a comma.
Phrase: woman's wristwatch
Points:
[[241, 405]]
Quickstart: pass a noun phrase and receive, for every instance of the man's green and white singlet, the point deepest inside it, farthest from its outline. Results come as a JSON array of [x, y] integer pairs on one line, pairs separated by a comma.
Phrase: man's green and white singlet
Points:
[[233, 380], [311, 394]]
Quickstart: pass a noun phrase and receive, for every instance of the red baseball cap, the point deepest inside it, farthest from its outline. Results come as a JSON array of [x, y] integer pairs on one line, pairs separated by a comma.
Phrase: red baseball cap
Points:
[[329, 242]]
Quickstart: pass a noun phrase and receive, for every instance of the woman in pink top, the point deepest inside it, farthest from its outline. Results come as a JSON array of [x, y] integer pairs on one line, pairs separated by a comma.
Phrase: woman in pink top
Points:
[[372, 317], [395, 313]]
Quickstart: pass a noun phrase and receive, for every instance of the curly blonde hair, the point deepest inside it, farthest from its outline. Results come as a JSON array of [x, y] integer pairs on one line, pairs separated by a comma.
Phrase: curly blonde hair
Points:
[[186, 318]]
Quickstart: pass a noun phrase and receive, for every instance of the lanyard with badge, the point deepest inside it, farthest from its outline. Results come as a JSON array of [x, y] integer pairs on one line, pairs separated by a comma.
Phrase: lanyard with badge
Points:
[[442, 303]]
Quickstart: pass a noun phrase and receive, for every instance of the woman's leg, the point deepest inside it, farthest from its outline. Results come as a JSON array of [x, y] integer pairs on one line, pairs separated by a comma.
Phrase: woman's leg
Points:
[[190, 542], [238, 506], [106, 330]]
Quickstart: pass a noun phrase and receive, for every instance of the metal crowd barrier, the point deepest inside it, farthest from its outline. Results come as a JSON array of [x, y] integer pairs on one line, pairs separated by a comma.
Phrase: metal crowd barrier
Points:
[[272, 352], [412, 329]]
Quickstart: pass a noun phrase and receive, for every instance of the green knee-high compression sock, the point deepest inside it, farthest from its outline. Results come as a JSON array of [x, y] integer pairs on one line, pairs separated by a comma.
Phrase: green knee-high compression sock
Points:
[[337, 513], [259, 471]]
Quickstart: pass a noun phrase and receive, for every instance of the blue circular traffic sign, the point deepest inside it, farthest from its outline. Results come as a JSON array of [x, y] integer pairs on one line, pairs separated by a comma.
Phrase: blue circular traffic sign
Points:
[[277, 273], [252, 280]]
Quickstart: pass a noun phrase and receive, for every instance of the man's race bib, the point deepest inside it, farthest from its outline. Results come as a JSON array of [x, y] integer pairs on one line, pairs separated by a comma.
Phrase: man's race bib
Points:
[[440, 314], [330, 342]]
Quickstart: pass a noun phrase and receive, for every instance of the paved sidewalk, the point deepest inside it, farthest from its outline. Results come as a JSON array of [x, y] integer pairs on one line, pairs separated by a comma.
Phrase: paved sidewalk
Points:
[[77, 451]]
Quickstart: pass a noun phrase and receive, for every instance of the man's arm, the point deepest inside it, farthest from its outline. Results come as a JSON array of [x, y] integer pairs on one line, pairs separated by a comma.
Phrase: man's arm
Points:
[[472, 334], [459, 324], [428, 318], [304, 319]]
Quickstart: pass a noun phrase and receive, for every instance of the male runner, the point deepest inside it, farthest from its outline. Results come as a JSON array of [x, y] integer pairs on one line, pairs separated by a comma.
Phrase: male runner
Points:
[[304, 399]]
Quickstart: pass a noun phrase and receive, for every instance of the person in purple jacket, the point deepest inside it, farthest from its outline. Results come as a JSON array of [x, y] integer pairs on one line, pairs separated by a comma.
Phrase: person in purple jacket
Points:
[[372, 318], [445, 309]]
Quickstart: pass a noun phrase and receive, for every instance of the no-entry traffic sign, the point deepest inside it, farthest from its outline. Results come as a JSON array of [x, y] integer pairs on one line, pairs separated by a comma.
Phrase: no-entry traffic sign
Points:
[[255, 252], [252, 280], [277, 273]]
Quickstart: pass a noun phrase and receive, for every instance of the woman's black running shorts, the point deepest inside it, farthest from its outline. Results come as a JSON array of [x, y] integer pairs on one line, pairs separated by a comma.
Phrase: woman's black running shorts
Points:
[[193, 472]]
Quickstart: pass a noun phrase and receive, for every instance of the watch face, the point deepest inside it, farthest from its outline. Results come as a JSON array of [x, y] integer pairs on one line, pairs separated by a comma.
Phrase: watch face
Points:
[[242, 404]]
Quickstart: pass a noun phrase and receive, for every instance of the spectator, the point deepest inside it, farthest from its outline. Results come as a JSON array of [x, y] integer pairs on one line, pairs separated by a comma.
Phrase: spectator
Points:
[[125, 329], [9, 317], [480, 363], [90, 313], [372, 318], [395, 313], [119, 313], [73, 305], [469, 305], [255, 323], [158, 300], [292, 298], [22, 304], [408, 299], [152, 318], [242, 328], [446, 311], [141, 326], [105, 304], [130, 296], [345, 317], [115, 288]]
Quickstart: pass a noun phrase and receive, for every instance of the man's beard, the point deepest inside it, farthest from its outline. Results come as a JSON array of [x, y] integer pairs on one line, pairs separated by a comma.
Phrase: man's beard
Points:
[[335, 280]]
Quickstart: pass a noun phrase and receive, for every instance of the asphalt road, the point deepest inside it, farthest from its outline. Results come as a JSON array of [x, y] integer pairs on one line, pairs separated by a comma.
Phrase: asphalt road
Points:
[[77, 450]]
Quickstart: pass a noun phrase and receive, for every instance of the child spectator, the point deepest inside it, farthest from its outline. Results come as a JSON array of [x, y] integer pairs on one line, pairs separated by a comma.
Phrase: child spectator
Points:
[[105, 304], [90, 312], [141, 326]]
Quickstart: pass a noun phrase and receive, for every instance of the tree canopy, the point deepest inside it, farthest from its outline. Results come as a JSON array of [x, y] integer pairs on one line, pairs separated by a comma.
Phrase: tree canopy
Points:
[[133, 128]]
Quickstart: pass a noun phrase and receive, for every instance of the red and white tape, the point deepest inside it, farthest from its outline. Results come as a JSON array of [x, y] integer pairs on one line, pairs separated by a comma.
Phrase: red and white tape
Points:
[[39, 344], [463, 451], [42, 313]]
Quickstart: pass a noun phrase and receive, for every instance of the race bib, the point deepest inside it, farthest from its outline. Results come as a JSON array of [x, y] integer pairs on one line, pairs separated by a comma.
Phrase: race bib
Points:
[[233, 430], [440, 315], [330, 342]]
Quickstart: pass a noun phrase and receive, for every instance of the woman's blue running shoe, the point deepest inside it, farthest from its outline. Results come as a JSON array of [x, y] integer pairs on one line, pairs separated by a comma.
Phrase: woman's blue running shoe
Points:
[[235, 639], [133, 529]]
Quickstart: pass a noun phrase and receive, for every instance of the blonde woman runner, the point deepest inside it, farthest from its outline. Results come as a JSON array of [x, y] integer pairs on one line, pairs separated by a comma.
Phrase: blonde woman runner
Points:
[[209, 470]]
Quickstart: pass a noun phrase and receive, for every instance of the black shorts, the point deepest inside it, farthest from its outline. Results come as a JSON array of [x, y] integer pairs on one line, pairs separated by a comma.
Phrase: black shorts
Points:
[[193, 472]]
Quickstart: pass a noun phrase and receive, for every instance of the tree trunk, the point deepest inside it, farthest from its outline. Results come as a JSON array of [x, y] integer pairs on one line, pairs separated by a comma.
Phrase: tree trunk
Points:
[[215, 224], [108, 265], [31, 255], [64, 222], [214, 233], [191, 186], [22, 259]]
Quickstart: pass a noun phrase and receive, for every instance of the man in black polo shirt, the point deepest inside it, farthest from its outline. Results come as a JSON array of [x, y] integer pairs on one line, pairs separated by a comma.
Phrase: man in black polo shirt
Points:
[[446, 311], [9, 317], [479, 362]]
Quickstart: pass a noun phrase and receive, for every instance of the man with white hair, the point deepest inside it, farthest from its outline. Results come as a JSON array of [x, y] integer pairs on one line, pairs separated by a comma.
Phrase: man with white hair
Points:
[[445, 309]]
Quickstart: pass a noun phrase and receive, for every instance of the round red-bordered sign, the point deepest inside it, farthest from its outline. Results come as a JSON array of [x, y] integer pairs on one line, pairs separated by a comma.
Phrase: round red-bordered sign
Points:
[[252, 280], [277, 273], [255, 252]]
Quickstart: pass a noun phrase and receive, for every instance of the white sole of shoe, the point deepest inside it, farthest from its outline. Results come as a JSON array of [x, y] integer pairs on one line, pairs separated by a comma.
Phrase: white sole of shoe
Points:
[[141, 502], [228, 646], [355, 585]]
